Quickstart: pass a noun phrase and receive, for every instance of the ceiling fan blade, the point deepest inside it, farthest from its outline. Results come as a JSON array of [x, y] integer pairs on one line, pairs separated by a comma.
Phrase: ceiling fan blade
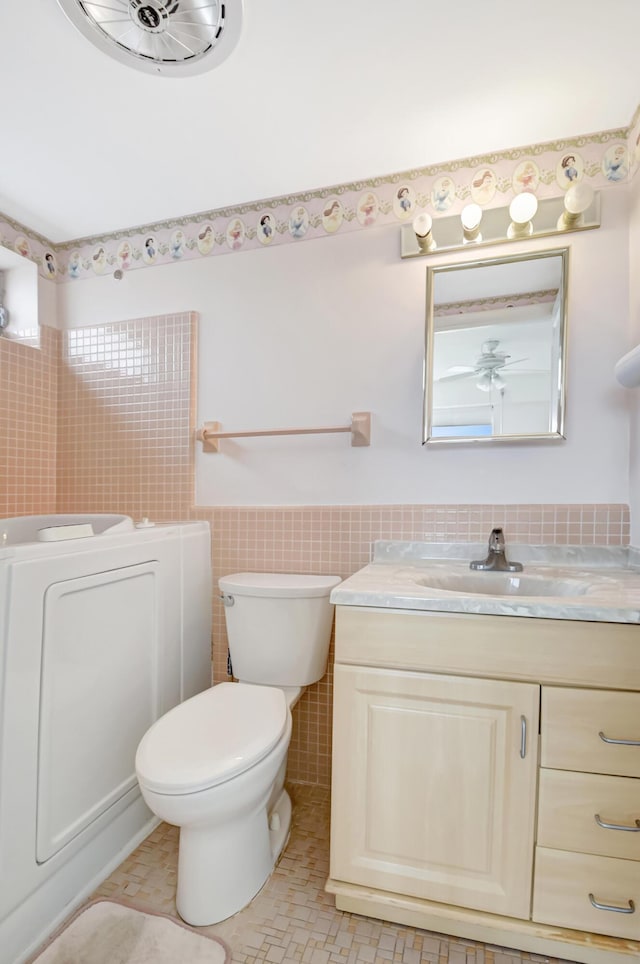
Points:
[[457, 375], [514, 362]]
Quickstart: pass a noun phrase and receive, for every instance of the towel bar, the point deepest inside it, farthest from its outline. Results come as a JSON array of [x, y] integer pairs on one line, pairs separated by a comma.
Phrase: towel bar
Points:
[[360, 430]]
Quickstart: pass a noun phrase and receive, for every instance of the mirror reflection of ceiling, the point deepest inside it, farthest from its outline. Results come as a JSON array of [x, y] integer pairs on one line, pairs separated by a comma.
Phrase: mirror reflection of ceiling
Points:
[[512, 304], [496, 280], [496, 339], [313, 95], [524, 343]]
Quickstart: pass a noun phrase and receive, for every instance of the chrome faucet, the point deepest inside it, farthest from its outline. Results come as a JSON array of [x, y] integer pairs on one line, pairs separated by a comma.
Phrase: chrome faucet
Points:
[[496, 560]]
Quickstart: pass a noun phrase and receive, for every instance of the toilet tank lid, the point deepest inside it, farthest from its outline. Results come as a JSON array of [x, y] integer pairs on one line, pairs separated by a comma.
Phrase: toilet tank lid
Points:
[[282, 584], [211, 737]]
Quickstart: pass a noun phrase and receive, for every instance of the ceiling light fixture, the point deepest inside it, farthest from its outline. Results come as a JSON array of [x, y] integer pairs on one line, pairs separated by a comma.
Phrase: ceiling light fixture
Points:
[[167, 37], [490, 379]]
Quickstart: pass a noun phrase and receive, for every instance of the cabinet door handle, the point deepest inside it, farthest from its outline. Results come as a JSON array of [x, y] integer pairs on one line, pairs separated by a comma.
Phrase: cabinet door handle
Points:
[[631, 909], [608, 739], [616, 826], [523, 737]]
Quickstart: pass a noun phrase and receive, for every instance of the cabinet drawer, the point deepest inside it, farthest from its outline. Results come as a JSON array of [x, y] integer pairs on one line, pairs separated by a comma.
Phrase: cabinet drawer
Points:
[[585, 729], [574, 806], [562, 885]]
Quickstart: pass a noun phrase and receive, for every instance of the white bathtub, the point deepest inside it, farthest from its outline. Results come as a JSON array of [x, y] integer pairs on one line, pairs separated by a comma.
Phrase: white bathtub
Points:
[[28, 528], [99, 636]]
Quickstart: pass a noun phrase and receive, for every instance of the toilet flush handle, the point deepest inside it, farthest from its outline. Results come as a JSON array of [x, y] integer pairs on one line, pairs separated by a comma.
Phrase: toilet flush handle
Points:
[[227, 600]]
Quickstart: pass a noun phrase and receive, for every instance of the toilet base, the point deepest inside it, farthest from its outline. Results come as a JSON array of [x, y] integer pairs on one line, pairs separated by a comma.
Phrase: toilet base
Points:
[[219, 874], [280, 824]]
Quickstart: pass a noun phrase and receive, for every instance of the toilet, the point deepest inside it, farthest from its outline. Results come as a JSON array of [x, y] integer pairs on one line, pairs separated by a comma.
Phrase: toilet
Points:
[[215, 764]]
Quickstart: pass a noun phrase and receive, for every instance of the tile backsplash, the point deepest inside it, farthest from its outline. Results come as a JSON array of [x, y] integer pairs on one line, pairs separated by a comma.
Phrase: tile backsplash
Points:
[[102, 419]]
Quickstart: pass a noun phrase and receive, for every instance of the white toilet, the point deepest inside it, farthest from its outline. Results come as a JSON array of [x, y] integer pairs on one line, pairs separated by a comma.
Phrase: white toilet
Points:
[[215, 765]]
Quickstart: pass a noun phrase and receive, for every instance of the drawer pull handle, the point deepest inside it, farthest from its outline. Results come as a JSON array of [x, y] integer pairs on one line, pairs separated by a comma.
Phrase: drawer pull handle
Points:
[[523, 737], [631, 909], [616, 826], [608, 739]]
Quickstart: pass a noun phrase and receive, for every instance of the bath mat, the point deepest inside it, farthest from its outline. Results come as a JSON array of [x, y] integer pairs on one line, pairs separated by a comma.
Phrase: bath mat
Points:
[[107, 932]]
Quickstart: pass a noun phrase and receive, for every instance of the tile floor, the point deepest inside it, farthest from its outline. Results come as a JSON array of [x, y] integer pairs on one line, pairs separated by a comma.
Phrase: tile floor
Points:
[[292, 920]]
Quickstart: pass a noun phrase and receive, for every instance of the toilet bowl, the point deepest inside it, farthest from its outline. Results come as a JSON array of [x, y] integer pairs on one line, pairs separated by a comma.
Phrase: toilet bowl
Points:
[[215, 765], [210, 767]]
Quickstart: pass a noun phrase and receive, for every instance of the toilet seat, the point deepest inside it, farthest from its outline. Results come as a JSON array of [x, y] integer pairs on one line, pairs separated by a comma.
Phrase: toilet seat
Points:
[[211, 738]]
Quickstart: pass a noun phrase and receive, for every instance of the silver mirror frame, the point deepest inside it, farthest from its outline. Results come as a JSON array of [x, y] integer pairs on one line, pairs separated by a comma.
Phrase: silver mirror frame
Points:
[[557, 415]]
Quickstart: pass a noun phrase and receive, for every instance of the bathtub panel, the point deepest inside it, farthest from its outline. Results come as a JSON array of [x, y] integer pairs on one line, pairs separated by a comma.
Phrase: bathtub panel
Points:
[[99, 695], [34, 894]]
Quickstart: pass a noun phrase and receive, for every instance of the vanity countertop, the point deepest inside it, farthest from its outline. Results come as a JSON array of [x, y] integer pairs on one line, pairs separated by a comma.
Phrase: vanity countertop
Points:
[[608, 584]]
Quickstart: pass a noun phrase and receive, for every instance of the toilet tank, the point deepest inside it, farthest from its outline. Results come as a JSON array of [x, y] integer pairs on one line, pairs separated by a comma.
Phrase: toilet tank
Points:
[[278, 626]]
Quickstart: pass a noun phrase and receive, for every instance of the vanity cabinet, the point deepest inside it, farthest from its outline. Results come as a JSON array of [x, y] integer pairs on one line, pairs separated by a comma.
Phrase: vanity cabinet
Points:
[[480, 784], [428, 771]]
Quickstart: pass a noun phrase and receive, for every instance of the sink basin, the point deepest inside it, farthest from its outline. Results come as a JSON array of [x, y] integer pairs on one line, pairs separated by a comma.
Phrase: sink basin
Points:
[[579, 583], [503, 584]]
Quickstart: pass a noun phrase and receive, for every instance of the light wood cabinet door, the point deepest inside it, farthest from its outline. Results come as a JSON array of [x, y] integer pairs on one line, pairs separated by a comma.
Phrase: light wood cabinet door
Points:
[[434, 786]]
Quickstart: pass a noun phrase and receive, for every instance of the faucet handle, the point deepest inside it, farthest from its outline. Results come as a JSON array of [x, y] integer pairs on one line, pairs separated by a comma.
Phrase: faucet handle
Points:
[[496, 539]]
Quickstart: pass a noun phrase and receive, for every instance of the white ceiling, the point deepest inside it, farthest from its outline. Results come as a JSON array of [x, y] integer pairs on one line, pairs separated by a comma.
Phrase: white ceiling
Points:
[[314, 94]]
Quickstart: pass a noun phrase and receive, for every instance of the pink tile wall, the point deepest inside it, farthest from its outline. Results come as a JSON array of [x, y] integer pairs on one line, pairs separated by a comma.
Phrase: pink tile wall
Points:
[[28, 391], [126, 400]]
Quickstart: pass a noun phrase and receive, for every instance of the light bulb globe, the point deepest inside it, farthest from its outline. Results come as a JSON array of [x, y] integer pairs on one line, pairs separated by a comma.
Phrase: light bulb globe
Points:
[[422, 225], [578, 198], [471, 216], [523, 207]]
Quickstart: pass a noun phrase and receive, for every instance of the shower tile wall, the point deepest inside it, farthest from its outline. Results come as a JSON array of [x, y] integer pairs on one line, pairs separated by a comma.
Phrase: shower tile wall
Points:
[[125, 413], [28, 391], [125, 406]]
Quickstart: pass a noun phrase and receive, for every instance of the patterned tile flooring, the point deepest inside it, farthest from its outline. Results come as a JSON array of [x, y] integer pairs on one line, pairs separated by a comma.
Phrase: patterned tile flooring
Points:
[[292, 920]]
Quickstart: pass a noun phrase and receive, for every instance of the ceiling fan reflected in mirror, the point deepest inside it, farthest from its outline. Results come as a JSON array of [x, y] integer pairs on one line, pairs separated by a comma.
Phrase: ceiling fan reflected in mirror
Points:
[[487, 368]]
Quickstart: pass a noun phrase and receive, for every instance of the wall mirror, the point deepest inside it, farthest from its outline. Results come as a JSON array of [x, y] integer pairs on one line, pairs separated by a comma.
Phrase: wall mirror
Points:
[[495, 349]]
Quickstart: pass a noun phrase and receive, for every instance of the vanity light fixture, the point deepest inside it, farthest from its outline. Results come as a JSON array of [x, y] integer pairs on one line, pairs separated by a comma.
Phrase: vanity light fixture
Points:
[[577, 200], [525, 218], [471, 218], [422, 225], [522, 210]]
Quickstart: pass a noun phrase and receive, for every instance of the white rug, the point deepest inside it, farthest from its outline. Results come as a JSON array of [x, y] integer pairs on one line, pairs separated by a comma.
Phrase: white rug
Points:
[[110, 933]]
